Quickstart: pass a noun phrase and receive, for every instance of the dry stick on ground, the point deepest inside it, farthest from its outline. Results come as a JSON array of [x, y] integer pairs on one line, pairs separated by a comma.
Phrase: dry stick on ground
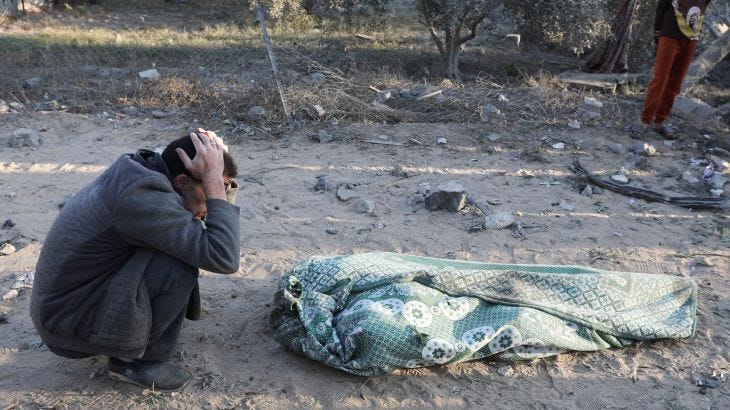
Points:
[[272, 57]]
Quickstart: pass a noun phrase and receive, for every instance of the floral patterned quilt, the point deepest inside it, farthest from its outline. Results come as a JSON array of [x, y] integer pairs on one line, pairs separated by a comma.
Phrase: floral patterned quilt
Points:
[[375, 313]]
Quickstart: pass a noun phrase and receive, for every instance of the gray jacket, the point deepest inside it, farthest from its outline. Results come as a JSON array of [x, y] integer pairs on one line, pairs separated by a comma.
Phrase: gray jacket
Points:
[[89, 294]]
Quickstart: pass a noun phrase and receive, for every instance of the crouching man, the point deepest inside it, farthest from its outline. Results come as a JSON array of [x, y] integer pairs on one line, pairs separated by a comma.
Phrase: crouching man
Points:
[[118, 271]]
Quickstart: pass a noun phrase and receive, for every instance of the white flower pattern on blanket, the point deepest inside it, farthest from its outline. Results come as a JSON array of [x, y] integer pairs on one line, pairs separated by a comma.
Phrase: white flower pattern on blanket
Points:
[[372, 314]]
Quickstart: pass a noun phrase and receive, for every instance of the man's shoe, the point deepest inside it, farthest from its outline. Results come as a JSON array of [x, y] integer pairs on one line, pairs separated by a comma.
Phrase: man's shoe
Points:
[[666, 131], [159, 376]]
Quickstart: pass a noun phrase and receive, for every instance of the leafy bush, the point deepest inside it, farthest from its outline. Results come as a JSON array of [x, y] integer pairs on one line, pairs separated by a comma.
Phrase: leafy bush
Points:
[[567, 25]]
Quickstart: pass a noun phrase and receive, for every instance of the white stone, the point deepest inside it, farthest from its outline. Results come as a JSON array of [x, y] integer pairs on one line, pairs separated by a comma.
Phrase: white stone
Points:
[[716, 193], [12, 294], [574, 124], [620, 178], [559, 145], [151, 74], [441, 141], [499, 220], [566, 206], [506, 371], [7, 249]]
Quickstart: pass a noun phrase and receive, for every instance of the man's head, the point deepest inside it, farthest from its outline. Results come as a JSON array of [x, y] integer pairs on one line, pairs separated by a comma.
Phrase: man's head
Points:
[[190, 188]]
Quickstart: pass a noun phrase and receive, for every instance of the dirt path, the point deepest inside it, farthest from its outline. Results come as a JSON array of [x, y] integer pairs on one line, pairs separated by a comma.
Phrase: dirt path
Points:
[[231, 352]]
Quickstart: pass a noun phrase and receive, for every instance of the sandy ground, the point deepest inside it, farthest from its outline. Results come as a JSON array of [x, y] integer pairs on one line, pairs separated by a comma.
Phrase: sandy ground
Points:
[[231, 353]]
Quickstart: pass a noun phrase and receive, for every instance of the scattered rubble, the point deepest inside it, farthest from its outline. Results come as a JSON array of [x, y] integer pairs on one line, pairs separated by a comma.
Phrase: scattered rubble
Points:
[[7, 249], [365, 206], [345, 193], [149, 75], [491, 114], [689, 177], [499, 220], [257, 111], [644, 149], [32, 82], [616, 148], [450, 195], [24, 137], [566, 206]]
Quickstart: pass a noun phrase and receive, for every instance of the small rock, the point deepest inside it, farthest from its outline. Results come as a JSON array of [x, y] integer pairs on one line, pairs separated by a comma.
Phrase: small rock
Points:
[[559, 145], [491, 114], [8, 224], [345, 194], [499, 220], [493, 137], [257, 111], [688, 177], [441, 141], [24, 137], [4, 107], [566, 206], [159, 114], [365, 206], [415, 199], [7, 249], [716, 193], [32, 82], [149, 75], [644, 149], [616, 148], [399, 171], [331, 231], [574, 124], [317, 78], [12, 294], [620, 178], [16, 105], [693, 109], [506, 371], [502, 98], [587, 191], [712, 178], [323, 137], [637, 161], [450, 196], [131, 111], [668, 143], [592, 104], [323, 184], [720, 164], [112, 72]]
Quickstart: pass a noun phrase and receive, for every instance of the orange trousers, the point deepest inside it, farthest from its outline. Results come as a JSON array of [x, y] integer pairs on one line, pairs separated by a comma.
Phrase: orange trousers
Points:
[[672, 61]]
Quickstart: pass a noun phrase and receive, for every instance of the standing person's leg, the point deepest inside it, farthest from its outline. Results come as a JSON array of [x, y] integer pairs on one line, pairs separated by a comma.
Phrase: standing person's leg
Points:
[[679, 69], [665, 55], [169, 283]]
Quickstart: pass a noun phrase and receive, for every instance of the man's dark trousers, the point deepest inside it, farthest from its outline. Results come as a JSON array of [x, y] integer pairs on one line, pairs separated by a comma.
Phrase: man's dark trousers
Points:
[[169, 283]]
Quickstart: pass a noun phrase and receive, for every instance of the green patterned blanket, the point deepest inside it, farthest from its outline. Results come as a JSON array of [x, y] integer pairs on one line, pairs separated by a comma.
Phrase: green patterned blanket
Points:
[[375, 313]]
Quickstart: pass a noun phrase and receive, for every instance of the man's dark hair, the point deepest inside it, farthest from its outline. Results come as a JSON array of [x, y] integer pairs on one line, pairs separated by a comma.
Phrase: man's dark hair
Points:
[[176, 166]]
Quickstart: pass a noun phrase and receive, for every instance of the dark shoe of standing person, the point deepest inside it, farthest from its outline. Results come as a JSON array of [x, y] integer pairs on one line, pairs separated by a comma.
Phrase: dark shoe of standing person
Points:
[[158, 376]]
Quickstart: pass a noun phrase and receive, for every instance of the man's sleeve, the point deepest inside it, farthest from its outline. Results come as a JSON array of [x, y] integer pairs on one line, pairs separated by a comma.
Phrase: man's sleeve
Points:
[[149, 213]]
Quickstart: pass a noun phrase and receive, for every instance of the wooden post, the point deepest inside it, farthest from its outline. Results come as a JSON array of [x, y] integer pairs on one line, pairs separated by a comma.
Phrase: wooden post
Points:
[[272, 57]]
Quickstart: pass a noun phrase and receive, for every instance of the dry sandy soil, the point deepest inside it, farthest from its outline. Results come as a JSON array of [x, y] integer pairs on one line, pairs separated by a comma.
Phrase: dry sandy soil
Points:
[[231, 353]]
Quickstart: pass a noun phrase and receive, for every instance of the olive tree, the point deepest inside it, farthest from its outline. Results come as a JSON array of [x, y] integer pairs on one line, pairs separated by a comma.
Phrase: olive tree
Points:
[[452, 23]]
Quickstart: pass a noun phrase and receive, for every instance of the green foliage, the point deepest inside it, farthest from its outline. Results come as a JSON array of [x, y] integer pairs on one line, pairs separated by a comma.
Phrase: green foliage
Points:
[[567, 25]]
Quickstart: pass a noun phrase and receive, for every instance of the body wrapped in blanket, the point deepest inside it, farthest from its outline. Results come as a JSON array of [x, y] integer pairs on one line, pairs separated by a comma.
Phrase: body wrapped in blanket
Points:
[[375, 313]]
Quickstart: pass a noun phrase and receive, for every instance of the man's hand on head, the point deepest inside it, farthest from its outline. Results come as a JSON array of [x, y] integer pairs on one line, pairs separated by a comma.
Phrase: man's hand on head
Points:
[[214, 136], [207, 165]]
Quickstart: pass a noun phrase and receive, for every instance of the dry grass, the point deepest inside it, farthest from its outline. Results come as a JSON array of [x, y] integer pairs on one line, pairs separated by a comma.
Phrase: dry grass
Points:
[[215, 67]]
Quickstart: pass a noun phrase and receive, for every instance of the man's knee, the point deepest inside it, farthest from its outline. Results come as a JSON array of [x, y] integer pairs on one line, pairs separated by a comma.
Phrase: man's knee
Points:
[[166, 274]]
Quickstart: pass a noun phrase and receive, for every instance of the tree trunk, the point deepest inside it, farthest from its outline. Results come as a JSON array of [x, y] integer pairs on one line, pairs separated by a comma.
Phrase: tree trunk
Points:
[[452, 57], [716, 52], [611, 57]]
